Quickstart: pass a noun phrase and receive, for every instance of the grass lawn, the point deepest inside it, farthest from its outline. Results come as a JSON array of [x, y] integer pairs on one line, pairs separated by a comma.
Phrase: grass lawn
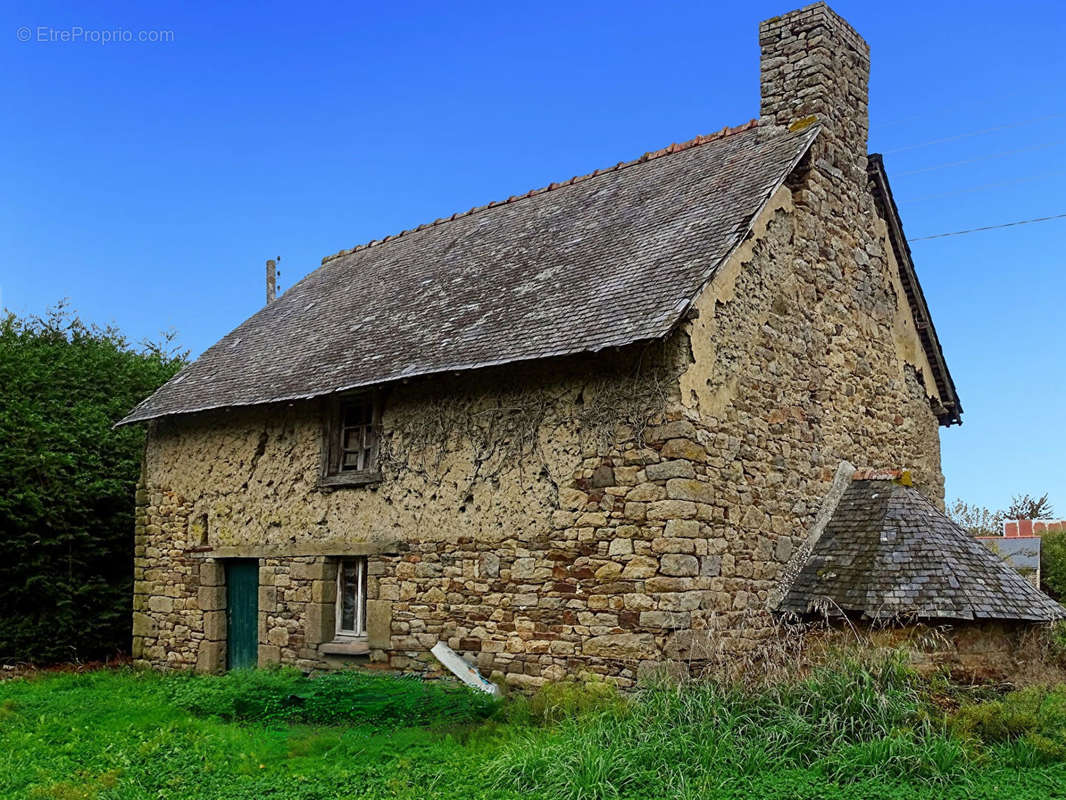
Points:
[[852, 733]]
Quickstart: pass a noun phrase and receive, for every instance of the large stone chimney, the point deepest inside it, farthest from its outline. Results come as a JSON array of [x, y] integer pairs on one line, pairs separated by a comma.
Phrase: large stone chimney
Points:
[[815, 65]]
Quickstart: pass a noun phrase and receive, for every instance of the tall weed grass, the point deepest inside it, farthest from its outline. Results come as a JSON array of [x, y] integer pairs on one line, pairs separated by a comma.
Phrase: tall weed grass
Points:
[[859, 719], [560, 700], [860, 731]]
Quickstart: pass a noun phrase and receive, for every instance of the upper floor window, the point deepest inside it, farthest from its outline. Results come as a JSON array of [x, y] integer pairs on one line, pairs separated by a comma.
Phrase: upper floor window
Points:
[[350, 440]]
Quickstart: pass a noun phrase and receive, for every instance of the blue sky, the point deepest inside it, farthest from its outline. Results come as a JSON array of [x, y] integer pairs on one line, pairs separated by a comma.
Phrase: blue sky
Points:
[[148, 182]]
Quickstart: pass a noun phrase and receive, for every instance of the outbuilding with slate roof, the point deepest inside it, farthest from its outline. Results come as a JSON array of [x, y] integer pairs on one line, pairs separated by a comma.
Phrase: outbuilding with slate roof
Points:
[[564, 431], [889, 553]]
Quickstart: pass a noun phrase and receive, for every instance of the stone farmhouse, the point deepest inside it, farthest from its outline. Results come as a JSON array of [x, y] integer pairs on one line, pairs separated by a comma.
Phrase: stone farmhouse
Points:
[[588, 428]]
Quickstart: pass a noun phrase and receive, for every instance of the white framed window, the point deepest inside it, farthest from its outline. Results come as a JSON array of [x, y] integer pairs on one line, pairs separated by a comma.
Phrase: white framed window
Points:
[[351, 597]]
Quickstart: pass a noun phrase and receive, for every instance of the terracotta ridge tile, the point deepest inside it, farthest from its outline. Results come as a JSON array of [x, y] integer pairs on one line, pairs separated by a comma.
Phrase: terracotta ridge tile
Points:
[[901, 476]]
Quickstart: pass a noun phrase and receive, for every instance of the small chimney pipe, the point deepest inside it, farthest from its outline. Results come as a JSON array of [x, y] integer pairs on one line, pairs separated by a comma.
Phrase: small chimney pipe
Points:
[[272, 279]]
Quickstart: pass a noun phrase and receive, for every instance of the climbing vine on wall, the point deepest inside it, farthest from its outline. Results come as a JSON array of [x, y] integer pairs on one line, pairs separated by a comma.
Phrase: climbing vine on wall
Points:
[[615, 400]]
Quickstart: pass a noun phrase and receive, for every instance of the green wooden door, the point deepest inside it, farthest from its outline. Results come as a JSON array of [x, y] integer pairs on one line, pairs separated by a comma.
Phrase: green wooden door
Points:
[[242, 613]]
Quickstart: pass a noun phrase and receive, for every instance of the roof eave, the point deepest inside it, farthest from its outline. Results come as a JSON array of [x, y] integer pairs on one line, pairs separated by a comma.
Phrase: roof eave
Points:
[[951, 414], [823, 606], [134, 417]]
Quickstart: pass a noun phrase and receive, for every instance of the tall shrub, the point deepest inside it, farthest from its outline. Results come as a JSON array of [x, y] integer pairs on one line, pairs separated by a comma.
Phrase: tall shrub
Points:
[[1053, 564], [67, 482]]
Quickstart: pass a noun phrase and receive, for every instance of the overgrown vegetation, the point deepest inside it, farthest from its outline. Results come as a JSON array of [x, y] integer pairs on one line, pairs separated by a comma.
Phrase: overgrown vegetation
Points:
[[555, 702], [978, 520], [1025, 506], [853, 722], [67, 483], [349, 697], [1031, 722], [863, 728]]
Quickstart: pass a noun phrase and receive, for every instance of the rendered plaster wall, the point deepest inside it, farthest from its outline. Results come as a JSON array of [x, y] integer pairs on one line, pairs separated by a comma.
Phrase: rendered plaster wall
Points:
[[541, 530]]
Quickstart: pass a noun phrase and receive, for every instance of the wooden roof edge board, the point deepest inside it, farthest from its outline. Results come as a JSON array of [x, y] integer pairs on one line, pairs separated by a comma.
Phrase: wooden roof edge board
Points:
[[919, 307]]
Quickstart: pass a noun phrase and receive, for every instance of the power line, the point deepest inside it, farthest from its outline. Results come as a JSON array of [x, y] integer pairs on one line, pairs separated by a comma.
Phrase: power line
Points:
[[982, 186], [968, 134], [945, 165], [988, 228], [944, 109]]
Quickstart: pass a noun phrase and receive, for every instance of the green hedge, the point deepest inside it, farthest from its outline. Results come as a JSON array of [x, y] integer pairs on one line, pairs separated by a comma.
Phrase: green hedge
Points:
[[67, 482], [1053, 564]]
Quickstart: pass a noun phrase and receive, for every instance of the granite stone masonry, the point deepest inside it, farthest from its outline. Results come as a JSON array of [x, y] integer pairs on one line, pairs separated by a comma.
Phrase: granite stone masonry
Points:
[[575, 512]]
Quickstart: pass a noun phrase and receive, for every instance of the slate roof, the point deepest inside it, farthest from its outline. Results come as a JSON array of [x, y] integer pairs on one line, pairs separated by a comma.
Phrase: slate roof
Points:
[[601, 261], [887, 551]]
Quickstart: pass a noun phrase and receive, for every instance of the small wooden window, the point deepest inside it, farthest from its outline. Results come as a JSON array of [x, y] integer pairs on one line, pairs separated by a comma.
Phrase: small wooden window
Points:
[[351, 598], [358, 435], [351, 436]]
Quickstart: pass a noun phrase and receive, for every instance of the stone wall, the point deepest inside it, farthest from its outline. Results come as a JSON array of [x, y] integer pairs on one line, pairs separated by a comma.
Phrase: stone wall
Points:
[[602, 513], [169, 613], [501, 524], [839, 292], [974, 652]]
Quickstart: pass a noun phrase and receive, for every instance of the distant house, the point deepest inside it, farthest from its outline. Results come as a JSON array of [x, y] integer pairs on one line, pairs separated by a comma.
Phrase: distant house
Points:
[[583, 428], [1014, 528], [1019, 546]]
